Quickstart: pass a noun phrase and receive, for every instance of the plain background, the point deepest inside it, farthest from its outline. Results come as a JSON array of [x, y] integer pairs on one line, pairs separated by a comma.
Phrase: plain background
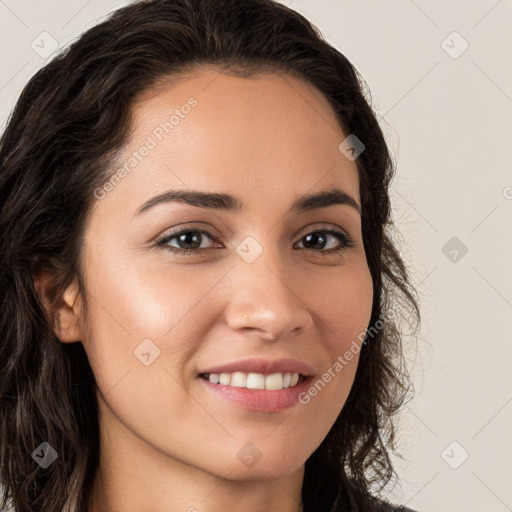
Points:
[[440, 77]]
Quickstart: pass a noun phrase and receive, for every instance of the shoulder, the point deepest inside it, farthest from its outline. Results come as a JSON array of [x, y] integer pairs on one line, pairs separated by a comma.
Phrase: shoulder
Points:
[[386, 506]]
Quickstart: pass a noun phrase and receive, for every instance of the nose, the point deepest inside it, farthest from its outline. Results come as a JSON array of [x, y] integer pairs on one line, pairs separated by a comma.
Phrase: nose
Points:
[[264, 301]]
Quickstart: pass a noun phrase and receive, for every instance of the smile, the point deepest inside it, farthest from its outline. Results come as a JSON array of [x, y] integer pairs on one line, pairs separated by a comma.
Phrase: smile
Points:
[[271, 382]]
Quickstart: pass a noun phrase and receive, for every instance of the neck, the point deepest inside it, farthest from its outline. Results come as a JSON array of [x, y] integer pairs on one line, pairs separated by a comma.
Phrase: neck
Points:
[[119, 491]]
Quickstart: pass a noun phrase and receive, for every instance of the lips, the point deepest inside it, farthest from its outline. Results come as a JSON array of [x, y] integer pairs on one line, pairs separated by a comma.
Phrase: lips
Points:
[[263, 366], [281, 395], [257, 400]]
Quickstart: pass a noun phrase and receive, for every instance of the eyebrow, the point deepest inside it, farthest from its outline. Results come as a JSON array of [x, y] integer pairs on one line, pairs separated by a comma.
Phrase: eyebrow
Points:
[[227, 202]]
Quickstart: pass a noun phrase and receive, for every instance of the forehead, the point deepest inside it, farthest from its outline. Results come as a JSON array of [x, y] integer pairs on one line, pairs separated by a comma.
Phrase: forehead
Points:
[[265, 134]]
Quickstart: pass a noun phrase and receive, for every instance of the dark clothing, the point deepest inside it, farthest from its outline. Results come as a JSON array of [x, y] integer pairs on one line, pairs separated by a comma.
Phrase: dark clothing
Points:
[[389, 507], [379, 505]]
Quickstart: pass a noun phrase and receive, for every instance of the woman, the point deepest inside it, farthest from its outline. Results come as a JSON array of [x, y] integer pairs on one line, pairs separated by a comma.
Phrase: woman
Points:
[[200, 294]]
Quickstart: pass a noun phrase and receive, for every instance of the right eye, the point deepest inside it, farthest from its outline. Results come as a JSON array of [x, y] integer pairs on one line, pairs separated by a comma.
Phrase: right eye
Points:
[[186, 236]]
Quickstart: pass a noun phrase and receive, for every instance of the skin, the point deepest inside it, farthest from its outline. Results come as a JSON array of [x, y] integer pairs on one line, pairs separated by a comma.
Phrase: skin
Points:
[[167, 444]]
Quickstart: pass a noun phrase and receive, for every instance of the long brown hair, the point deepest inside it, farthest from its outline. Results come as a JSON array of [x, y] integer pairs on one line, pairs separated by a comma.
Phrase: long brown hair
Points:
[[61, 138]]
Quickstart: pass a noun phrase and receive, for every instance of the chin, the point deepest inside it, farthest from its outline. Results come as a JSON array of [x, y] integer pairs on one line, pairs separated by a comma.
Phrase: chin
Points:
[[259, 472], [252, 464]]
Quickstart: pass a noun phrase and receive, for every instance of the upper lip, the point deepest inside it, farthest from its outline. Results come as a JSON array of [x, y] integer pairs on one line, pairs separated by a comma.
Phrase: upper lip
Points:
[[264, 366]]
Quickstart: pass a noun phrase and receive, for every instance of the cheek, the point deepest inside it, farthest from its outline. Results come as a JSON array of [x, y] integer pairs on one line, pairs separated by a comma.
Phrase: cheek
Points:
[[344, 309], [140, 301], [345, 306], [140, 339], [135, 309], [124, 309]]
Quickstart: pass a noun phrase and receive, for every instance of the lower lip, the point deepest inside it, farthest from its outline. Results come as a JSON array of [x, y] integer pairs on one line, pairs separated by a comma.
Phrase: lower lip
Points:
[[259, 399]]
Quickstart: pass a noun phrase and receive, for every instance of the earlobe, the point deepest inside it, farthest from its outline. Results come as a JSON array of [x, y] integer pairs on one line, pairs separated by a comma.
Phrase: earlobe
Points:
[[65, 312]]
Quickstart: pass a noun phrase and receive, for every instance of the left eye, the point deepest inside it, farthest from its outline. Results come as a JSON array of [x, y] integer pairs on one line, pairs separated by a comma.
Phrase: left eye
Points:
[[344, 240], [187, 237]]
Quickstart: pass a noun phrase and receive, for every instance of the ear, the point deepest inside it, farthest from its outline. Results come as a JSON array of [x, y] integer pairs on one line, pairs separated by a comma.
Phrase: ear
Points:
[[65, 312]]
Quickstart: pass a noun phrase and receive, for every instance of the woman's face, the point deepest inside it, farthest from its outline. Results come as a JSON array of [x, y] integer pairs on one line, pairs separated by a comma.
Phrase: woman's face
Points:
[[263, 283]]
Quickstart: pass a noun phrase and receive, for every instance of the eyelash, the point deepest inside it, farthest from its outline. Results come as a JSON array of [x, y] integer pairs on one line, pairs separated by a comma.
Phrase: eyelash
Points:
[[346, 241]]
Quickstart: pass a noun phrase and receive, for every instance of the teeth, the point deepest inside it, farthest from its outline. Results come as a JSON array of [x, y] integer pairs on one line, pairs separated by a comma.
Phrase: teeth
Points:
[[239, 380], [255, 381], [214, 377], [225, 379], [272, 382]]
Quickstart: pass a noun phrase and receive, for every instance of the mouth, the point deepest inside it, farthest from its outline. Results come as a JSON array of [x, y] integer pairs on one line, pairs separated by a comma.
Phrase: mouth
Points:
[[270, 382], [256, 392], [257, 384]]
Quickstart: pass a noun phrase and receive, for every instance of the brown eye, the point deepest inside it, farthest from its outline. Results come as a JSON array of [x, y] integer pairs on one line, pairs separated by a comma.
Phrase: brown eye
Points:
[[316, 240], [184, 239]]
